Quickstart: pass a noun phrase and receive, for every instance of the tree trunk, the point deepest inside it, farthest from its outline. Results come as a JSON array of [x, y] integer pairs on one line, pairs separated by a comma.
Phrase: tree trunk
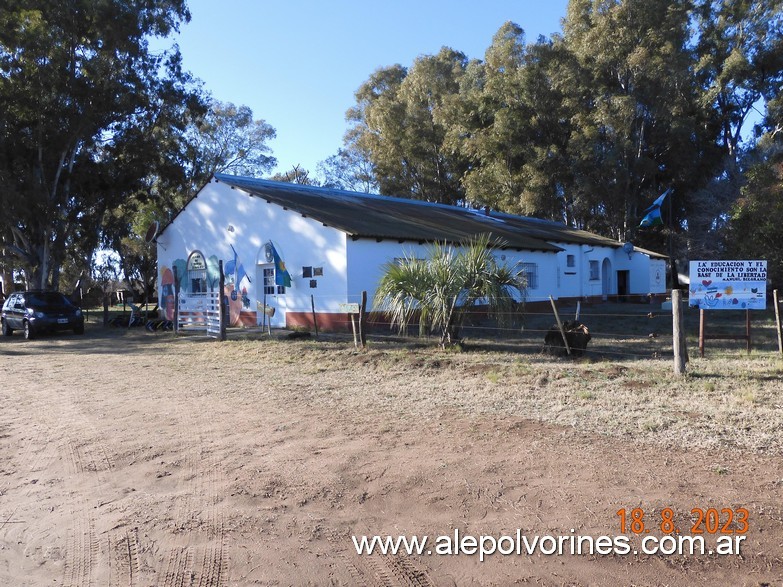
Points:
[[106, 308], [8, 282]]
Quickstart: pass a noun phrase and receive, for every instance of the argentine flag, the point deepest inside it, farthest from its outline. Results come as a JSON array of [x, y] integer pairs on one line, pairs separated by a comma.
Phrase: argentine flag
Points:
[[653, 213], [237, 269]]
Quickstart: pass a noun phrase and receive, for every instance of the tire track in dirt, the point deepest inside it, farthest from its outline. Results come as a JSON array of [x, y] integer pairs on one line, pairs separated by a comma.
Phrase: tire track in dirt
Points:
[[86, 457], [114, 560], [214, 563], [124, 566], [177, 571], [202, 561], [81, 546], [386, 571], [381, 570]]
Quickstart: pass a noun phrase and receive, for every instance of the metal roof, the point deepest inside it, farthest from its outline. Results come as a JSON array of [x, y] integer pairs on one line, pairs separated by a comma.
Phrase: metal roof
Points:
[[382, 217]]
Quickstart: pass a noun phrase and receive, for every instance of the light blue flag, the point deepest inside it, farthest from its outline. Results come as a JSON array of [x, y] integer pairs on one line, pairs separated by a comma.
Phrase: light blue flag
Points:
[[653, 213], [235, 267], [282, 276]]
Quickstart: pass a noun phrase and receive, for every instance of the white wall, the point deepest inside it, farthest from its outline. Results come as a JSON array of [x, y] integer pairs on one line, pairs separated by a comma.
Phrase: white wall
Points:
[[575, 282], [220, 217], [646, 274], [366, 258], [204, 225], [657, 276]]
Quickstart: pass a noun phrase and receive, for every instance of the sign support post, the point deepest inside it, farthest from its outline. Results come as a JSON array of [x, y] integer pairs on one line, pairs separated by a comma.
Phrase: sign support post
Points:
[[777, 321], [727, 285]]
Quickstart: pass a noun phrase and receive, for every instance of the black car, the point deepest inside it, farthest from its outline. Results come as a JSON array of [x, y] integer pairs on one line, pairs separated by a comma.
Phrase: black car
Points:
[[39, 311]]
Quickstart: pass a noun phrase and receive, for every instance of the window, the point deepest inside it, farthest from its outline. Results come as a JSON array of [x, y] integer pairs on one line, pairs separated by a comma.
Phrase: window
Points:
[[531, 274], [595, 274], [197, 273], [269, 282], [570, 261]]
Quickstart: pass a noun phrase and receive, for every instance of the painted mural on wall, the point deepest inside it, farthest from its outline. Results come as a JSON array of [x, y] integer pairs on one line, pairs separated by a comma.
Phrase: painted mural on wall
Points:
[[191, 278], [235, 275], [728, 285]]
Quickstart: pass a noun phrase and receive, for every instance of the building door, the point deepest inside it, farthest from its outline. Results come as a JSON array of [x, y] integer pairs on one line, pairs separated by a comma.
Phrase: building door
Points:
[[623, 278], [606, 278], [270, 296]]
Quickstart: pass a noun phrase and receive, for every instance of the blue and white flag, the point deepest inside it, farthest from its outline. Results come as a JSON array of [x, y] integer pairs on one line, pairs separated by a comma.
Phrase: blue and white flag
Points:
[[237, 269], [653, 213]]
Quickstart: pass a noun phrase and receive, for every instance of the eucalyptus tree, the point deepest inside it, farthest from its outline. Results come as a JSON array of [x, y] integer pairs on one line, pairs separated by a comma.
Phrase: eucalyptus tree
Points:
[[296, 174], [638, 128], [82, 102], [755, 226], [491, 124], [227, 139], [375, 127], [513, 123], [738, 48], [400, 122], [349, 169]]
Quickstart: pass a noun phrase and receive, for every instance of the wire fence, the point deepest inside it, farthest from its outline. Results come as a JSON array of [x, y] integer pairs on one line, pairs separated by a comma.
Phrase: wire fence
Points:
[[620, 328]]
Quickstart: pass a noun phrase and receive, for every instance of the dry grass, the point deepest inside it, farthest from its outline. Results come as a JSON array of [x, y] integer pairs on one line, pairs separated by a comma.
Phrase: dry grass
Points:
[[728, 402]]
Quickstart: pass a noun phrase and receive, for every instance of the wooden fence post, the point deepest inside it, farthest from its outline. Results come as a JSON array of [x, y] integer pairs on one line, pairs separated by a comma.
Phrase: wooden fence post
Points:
[[363, 320], [560, 325], [221, 308], [176, 302], [678, 334], [315, 320], [777, 321]]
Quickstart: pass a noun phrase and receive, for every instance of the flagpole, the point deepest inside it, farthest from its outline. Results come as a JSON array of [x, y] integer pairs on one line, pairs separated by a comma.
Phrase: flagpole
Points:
[[672, 261]]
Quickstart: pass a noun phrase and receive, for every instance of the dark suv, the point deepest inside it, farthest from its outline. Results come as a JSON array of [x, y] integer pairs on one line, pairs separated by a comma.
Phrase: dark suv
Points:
[[38, 311]]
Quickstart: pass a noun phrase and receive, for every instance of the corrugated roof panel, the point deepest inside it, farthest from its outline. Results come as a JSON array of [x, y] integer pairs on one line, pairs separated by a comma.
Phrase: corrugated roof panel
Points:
[[373, 216]]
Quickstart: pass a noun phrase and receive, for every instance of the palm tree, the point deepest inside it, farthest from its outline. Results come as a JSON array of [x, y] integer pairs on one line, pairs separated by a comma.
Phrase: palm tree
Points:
[[440, 289]]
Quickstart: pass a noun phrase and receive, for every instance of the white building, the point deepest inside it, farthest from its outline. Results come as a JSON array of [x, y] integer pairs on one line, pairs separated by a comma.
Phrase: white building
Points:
[[334, 244]]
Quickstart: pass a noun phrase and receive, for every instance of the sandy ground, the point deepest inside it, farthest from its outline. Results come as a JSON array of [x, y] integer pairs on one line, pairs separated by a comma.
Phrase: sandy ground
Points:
[[129, 459]]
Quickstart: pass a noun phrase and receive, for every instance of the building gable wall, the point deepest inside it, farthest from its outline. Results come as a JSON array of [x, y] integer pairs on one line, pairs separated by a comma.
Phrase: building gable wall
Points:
[[220, 218]]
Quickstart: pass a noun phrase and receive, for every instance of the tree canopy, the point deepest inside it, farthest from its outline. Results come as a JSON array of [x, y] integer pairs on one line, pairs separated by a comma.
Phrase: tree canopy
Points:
[[99, 134], [82, 103], [590, 126]]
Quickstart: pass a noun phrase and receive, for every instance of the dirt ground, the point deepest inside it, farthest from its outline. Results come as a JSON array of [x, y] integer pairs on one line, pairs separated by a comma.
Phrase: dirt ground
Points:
[[134, 459]]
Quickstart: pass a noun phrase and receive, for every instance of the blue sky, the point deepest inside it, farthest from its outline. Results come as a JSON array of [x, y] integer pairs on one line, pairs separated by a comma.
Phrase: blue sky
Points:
[[298, 63]]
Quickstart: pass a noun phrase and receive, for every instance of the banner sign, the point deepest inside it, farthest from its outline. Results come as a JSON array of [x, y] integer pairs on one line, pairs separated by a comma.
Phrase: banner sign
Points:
[[728, 285]]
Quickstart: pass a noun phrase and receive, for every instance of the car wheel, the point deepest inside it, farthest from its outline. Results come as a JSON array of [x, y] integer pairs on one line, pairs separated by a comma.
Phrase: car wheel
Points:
[[79, 329], [28, 332], [7, 330]]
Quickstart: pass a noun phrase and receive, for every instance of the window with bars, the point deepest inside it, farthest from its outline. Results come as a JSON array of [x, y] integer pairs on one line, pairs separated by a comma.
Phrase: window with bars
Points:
[[595, 271], [531, 274], [269, 282]]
